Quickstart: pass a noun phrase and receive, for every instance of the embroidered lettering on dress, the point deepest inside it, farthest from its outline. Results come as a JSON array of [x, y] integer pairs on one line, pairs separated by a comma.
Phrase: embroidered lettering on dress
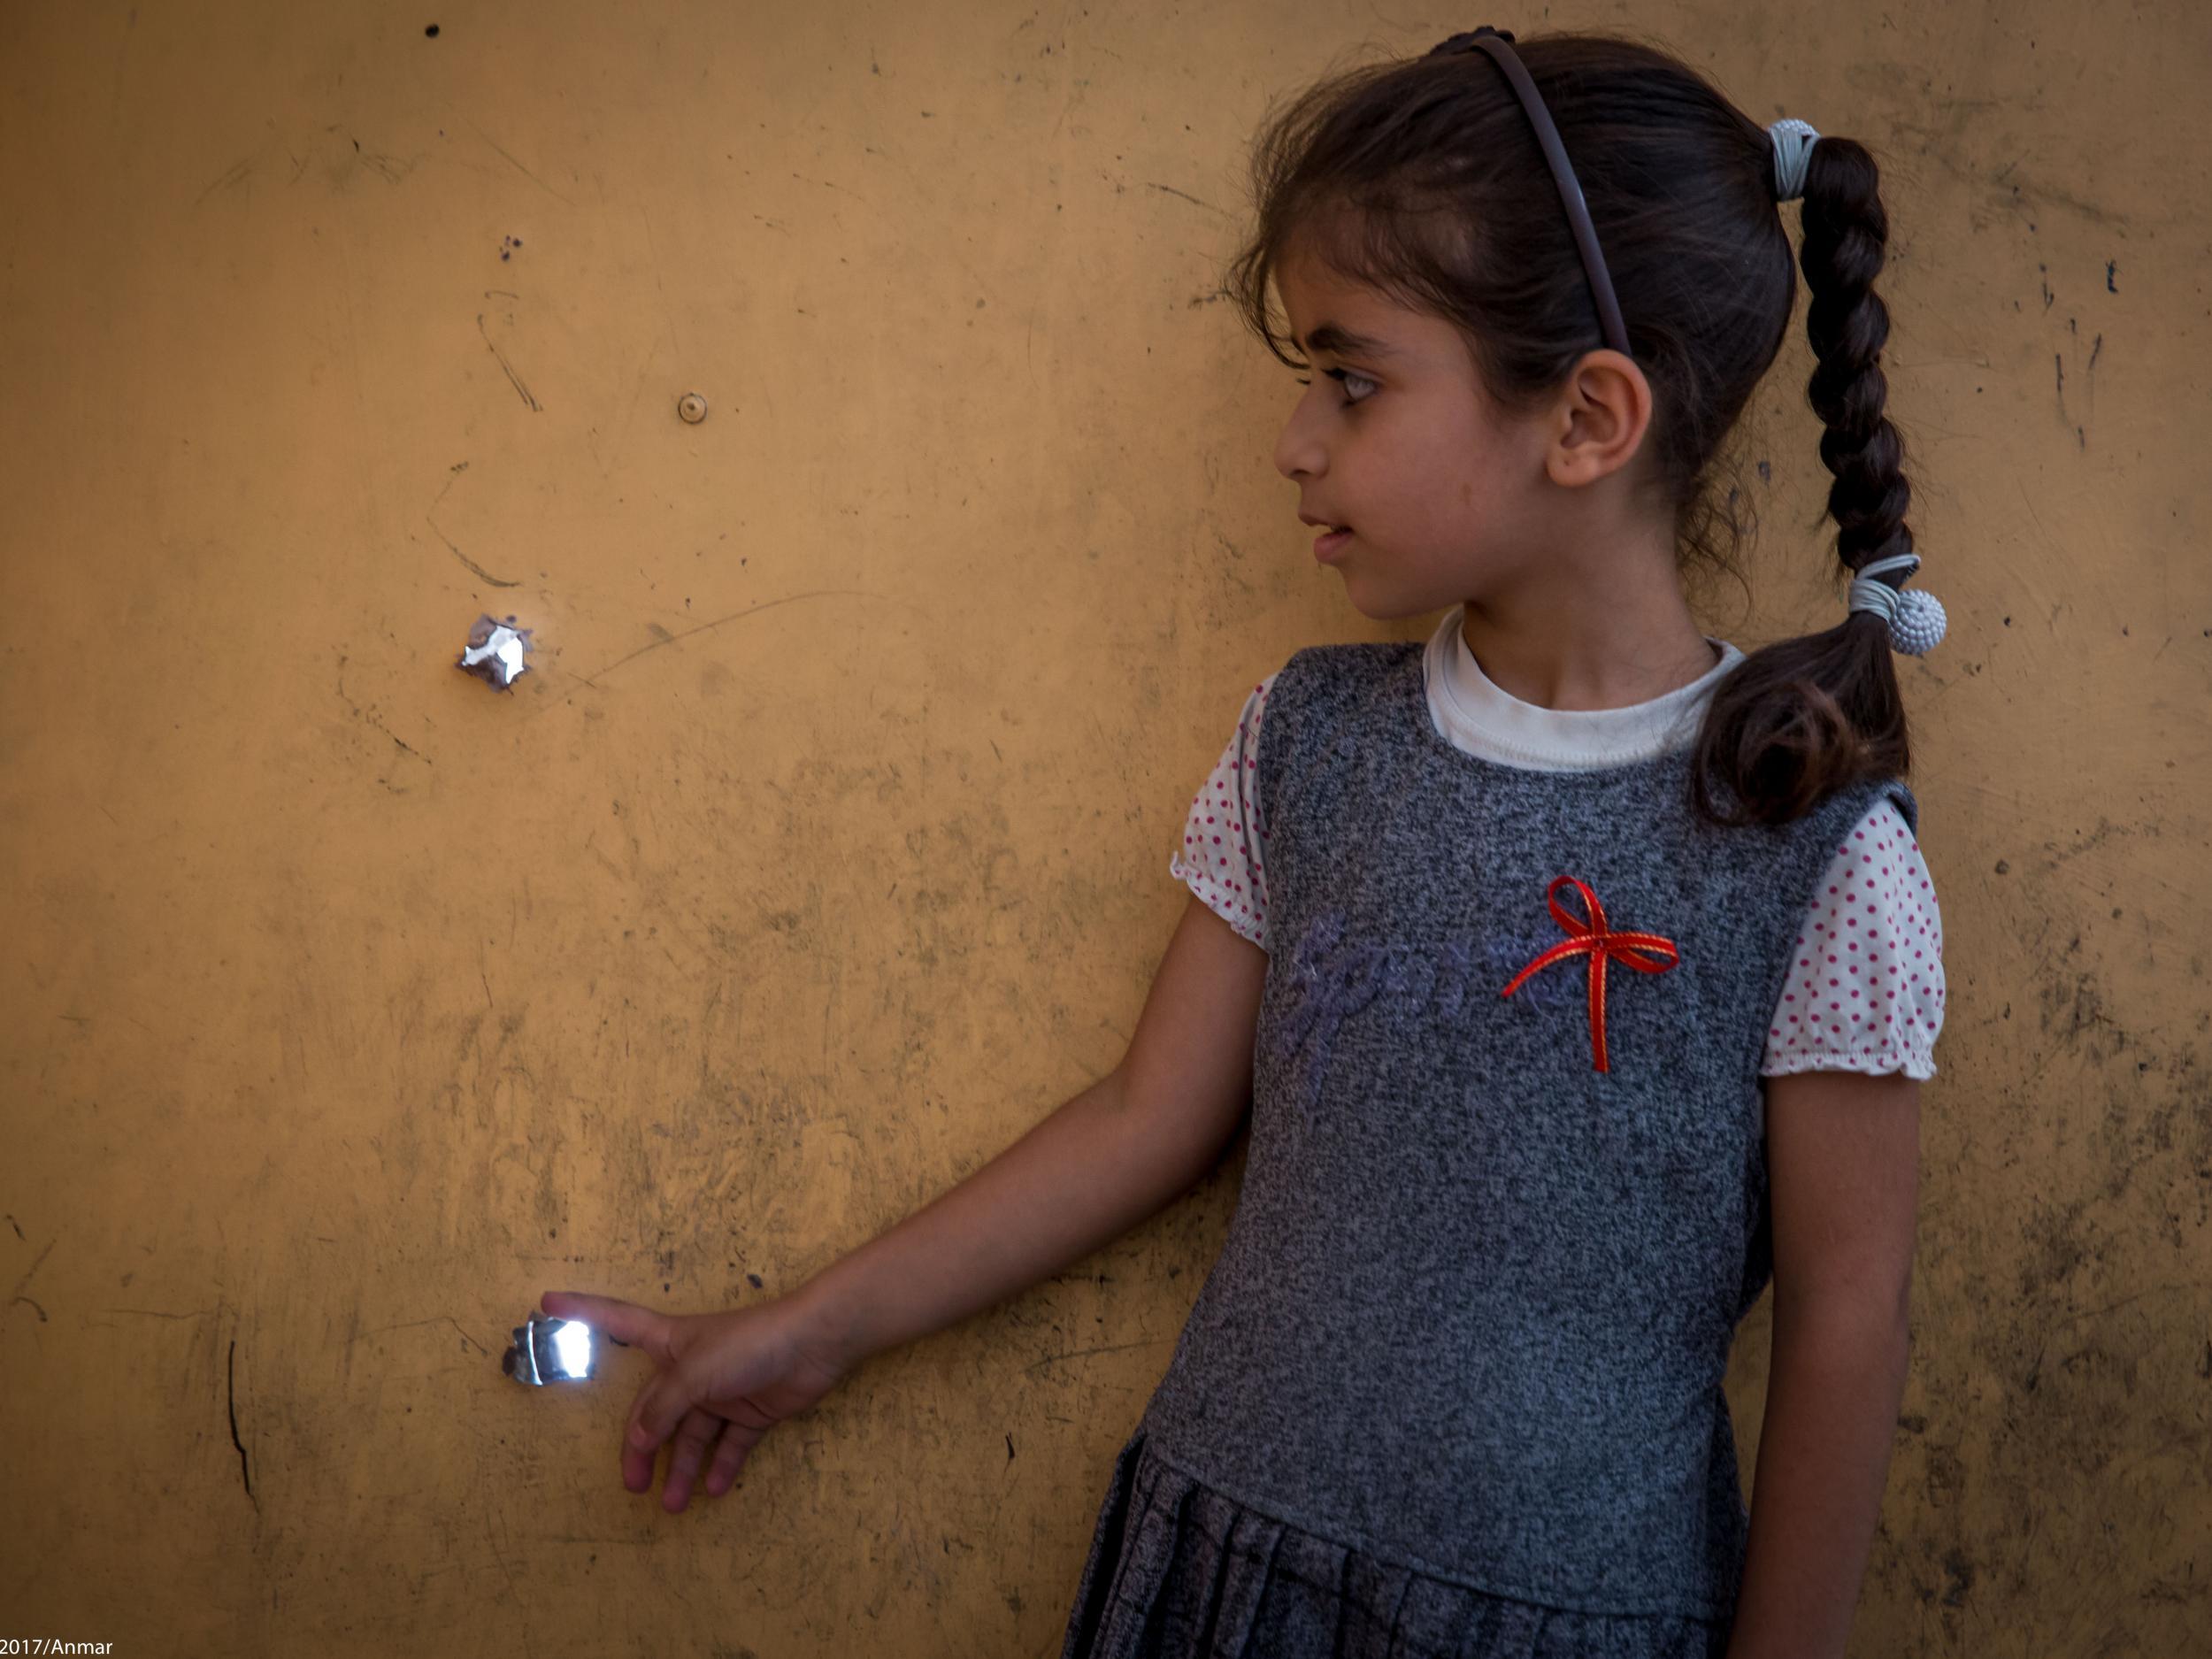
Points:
[[1333, 977]]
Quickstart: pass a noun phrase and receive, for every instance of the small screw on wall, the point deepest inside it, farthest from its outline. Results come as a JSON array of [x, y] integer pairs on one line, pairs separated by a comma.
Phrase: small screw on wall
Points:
[[692, 407]]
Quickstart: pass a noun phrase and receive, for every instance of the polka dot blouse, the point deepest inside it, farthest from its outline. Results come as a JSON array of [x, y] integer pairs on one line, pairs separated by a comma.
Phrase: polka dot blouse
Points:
[[1864, 992]]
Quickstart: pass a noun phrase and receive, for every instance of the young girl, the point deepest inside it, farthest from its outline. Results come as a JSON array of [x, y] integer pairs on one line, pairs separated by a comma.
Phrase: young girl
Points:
[[1579, 970]]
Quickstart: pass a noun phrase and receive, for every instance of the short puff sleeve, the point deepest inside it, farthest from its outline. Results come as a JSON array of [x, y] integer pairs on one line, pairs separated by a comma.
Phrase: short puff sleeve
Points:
[[1864, 991], [1223, 856]]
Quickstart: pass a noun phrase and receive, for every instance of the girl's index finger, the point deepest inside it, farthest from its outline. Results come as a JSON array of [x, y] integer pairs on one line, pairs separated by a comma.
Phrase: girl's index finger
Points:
[[624, 1322]]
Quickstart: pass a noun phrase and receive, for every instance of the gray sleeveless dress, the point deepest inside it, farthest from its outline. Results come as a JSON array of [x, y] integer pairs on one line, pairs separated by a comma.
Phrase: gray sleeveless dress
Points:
[[1455, 1385]]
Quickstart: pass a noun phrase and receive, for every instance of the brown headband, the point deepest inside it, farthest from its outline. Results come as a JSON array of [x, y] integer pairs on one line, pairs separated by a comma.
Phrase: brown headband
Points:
[[1497, 43]]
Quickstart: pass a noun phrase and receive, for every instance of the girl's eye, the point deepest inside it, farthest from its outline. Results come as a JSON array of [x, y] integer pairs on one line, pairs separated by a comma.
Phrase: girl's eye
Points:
[[1345, 377]]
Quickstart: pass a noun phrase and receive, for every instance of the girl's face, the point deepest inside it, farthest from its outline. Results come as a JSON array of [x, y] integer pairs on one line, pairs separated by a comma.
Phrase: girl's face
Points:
[[1396, 437]]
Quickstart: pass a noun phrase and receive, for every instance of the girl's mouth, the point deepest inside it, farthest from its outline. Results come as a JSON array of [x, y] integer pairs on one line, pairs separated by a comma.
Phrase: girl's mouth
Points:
[[1329, 543]]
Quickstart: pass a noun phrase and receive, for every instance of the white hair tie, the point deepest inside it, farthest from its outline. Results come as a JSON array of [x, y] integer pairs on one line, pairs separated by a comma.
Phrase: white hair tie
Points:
[[1916, 619], [1794, 141]]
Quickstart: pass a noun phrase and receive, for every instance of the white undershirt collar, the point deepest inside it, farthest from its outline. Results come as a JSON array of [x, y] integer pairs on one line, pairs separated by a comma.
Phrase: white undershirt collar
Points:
[[1475, 714]]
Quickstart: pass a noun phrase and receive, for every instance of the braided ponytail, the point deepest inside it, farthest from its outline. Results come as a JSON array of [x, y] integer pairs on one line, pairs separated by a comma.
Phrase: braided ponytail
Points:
[[1804, 718]]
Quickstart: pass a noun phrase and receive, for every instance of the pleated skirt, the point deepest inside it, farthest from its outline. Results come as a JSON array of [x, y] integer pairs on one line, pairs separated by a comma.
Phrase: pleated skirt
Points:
[[1180, 1571]]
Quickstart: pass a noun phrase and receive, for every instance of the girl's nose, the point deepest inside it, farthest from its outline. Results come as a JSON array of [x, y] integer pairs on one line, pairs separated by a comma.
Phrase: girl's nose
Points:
[[1298, 452]]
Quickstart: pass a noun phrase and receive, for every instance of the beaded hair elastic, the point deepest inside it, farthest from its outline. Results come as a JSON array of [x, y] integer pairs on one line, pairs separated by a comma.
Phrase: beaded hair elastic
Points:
[[1916, 619]]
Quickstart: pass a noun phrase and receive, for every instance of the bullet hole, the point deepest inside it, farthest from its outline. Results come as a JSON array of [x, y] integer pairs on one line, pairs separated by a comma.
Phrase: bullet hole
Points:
[[2007, 621], [664, 1287], [2002, 866], [753, 1279], [432, 31]]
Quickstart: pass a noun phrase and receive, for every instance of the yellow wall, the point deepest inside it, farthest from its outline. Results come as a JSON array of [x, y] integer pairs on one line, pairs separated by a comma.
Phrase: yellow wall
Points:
[[350, 1005]]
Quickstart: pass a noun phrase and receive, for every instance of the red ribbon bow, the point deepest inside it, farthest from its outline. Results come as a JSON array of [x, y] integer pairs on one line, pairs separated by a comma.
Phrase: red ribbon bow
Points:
[[1639, 951]]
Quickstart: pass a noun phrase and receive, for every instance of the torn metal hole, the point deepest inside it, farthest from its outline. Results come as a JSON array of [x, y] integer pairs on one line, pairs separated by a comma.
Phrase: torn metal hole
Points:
[[549, 1350], [495, 650]]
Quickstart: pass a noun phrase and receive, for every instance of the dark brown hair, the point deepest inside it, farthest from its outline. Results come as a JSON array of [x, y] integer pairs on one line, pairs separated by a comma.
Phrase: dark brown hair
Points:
[[1422, 179]]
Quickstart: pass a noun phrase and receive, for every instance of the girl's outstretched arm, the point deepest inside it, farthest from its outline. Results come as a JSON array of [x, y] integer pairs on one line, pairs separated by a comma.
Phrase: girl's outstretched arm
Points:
[[1105, 1160], [1843, 1161]]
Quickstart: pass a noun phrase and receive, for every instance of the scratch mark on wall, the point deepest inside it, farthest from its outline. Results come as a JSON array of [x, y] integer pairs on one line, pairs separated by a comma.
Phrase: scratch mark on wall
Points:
[[442, 1318], [492, 1534], [390, 168], [369, 717], [2081, 434], [36, 1263], [235, 175], [35, 1309], [594, 678], [518, 166], [453, 474], [158, 1313], [244, 1473], [511, 375], [1084, 1353], [2036, 191], [1188, 196], [496, 581]]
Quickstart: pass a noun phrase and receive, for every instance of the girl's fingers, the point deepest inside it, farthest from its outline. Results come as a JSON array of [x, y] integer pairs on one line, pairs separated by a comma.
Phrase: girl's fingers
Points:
[[640, 1446], [729, 1457], [692, 1437], [662, 1404], [624, 1321], [637, 1460]]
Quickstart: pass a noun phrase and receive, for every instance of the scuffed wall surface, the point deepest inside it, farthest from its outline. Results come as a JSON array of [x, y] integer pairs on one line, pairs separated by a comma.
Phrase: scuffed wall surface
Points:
[[350, 1005]]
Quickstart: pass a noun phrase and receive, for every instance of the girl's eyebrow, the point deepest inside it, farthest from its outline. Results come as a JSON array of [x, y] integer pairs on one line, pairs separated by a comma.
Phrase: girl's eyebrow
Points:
[[1343, 342]]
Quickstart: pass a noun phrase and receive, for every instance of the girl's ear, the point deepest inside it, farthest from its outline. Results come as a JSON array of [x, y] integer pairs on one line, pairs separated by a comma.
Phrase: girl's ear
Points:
[[1597, 419]]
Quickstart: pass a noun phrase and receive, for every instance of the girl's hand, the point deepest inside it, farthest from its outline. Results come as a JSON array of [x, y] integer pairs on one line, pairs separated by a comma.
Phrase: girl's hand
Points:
[[723, 1380]]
